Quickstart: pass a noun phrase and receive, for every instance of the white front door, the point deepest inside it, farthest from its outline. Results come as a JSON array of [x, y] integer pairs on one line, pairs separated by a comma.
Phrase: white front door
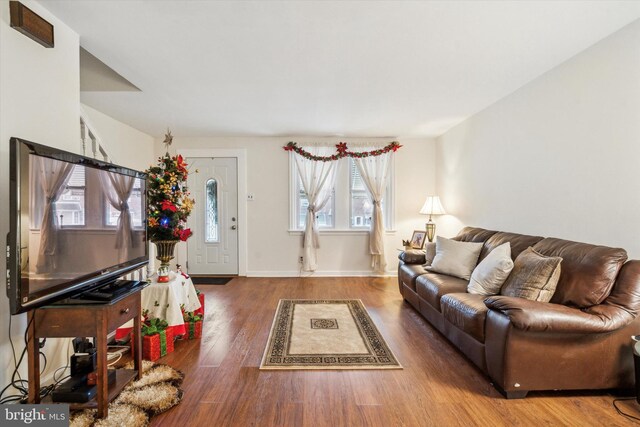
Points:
[[213, 248]]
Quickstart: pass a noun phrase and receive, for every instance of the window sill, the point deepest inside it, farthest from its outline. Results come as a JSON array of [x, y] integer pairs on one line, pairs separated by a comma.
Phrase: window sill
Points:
[[343, 232]]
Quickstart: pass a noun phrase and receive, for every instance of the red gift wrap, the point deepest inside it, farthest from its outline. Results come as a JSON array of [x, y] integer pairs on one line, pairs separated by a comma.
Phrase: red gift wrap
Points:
[[194, 330], [200, 311], [157, 345]]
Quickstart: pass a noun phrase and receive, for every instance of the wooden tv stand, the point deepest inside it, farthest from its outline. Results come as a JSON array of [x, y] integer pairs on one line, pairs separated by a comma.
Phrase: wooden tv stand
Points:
[[90, 320]]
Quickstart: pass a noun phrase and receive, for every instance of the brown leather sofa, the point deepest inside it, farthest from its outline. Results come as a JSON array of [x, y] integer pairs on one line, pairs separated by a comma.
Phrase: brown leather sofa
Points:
[[579, 340]]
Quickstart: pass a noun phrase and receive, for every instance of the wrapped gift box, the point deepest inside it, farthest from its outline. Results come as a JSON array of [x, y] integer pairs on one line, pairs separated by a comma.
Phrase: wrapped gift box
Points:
[[194, 330], [157, 345], [200, 311]]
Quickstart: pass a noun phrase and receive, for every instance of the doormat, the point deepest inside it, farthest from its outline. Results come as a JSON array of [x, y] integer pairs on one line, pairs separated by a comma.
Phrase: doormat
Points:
[[204, 280], [157, 391], [325, 334]]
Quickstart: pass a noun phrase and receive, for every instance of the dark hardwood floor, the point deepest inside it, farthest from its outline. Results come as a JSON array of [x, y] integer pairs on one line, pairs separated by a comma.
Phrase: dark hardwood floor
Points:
[[437, 387]]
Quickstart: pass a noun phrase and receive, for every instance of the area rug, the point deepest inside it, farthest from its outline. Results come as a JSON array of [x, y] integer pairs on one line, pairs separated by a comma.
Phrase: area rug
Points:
[[157, 391], [325, 334]]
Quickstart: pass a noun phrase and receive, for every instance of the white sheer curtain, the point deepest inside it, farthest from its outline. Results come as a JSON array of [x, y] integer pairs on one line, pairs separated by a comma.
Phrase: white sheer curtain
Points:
[[318, 179], [374, 171], [117, 188], [54, 176]]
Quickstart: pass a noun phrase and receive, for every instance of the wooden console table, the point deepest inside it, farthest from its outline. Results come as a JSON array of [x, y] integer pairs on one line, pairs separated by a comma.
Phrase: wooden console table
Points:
[[91, 320]]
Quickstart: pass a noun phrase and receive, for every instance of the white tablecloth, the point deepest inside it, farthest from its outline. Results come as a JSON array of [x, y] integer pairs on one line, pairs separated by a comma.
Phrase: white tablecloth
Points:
[[163, 300]]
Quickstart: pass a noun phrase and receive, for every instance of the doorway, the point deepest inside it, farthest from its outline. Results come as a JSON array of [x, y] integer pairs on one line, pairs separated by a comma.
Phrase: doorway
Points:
[[213, 248]]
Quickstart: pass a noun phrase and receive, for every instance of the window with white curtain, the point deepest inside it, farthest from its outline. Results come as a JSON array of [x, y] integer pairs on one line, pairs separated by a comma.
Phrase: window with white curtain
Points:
[[136, 208], [69, 207], [349, 208], [325, 216]]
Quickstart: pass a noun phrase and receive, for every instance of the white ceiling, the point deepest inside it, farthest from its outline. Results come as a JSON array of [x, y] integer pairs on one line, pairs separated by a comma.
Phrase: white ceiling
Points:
[[343, 68]]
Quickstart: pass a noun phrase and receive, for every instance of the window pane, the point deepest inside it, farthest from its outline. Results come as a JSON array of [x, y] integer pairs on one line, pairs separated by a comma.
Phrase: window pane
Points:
[[324, 217], [361, 205], [69, 207], [211, 212]]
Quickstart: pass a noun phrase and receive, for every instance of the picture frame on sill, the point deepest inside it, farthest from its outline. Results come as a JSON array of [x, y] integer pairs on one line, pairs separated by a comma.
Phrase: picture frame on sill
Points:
[[418, 238]]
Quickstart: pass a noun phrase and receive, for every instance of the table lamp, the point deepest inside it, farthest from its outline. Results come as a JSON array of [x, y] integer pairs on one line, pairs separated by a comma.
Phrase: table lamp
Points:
[[432, 207]]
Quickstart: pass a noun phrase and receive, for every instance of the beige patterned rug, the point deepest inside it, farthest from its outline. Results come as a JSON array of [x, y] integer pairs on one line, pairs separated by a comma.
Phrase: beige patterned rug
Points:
[[325, 334]]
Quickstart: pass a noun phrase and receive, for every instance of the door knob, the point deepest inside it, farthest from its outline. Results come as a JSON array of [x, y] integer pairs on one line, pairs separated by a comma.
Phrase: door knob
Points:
[[233, 227]]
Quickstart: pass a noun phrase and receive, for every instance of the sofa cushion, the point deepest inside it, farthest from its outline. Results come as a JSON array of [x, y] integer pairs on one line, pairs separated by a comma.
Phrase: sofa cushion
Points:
[[455, 258], [534, 277], [588, 271], [467, 312], [519, 242], [432, 286], [474, 234], [490, 274], [409, 272]]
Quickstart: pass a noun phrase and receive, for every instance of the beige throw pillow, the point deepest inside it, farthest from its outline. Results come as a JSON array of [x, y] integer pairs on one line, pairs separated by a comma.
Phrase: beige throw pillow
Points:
[[489, 276], [534, 277], [455, 258]]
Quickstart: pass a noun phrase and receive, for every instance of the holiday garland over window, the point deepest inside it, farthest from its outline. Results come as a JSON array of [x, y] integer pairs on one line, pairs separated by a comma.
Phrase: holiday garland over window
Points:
[[341, 151], [318, 180]]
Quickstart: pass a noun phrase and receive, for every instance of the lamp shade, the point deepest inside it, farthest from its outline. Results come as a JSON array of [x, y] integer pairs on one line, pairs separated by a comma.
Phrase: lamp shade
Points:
[[432, 206]]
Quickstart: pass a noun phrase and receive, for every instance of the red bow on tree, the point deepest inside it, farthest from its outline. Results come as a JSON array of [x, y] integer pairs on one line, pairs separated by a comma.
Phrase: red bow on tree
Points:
[[167, 205], [180, 164], [185, 234]]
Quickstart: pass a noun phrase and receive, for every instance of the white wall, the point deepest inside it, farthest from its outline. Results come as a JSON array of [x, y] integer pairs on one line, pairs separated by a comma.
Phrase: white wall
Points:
[[273, 250], [559, 157], [40, 101]]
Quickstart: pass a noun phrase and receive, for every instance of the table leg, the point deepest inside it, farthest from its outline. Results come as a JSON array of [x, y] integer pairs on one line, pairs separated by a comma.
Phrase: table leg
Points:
[[136, 341], [101, 349]]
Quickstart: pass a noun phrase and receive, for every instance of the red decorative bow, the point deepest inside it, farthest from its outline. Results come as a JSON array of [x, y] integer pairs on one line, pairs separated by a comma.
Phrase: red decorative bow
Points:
[[167, 205]]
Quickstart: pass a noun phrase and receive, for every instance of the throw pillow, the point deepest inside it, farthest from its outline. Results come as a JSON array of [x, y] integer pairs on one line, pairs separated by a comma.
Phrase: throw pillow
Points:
[[455, 258], [534, 277], [429, 253], [489, 276]]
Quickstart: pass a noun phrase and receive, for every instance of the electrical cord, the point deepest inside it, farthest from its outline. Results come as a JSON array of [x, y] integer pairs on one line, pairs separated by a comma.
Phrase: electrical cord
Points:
[[45, 362], [13, 348], [620, 411], [19, 384], [15, 369], [116, 361]]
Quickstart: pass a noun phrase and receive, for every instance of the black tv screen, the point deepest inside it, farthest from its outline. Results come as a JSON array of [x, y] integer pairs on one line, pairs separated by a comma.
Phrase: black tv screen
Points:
[[76, 223]]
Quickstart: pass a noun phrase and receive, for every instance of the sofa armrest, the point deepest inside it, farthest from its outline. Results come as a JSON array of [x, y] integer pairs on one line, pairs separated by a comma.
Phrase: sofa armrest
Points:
[[537, 316], [413, 256]]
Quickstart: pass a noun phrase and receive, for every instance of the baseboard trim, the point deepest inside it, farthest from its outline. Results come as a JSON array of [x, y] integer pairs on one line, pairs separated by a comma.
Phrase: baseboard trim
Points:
[[319, 274]]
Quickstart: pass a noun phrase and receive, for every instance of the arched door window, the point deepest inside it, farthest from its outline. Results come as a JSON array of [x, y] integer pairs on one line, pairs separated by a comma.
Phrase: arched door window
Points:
[[211, 225]]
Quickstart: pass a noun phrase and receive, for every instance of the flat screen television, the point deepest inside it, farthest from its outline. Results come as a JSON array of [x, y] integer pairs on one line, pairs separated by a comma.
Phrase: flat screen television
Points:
[[76, 223]]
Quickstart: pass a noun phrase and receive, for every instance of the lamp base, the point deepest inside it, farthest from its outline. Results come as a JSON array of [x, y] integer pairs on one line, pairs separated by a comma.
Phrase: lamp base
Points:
[[431, 230]]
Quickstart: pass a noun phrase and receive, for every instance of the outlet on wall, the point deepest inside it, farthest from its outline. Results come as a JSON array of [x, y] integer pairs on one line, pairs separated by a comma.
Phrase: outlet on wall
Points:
[[301, 259]]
